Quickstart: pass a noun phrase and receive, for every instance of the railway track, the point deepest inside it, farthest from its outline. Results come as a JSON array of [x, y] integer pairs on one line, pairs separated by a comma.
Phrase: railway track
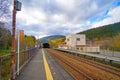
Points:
[[97, 65], [100, 66], [76, 63], [91, 62], [77, 72]]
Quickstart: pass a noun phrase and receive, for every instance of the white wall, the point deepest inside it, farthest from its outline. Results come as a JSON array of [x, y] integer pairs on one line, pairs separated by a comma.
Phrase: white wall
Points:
[[90, 49], [82, 39], [73, 40]]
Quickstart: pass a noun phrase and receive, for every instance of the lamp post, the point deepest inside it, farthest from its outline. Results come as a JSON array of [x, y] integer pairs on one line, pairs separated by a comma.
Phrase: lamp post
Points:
[[16, 7]]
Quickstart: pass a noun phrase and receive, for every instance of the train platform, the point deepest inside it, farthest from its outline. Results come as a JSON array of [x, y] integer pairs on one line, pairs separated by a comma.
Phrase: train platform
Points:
[[104, 57], [43, 67]]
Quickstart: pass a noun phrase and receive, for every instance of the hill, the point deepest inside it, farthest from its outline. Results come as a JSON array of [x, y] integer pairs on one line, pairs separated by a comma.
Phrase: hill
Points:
[[45, 39], [102, 32]]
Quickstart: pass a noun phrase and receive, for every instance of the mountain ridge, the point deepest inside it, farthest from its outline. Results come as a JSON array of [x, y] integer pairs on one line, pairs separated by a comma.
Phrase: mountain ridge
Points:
[[52, 37], [102, 31]]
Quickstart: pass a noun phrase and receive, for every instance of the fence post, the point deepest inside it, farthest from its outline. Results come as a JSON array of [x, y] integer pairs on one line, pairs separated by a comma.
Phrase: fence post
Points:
[[94, 58], [0, 68]]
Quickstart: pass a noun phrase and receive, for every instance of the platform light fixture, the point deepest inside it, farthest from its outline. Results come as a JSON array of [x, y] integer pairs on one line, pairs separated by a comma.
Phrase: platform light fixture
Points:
[[18, 5]]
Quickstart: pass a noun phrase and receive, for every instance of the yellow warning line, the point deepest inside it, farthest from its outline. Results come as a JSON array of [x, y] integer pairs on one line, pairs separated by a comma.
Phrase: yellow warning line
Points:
[[47, 69]]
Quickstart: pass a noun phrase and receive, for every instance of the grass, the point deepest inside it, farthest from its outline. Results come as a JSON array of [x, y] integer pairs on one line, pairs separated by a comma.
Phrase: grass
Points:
[[6, 60], [4, 51], [5, 68], [116, 64]]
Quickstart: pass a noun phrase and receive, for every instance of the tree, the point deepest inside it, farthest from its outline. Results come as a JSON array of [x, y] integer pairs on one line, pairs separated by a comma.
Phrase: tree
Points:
[[5, 37], [55, 42], [29, 41], [112, 43], [117, 41], [5, 34]]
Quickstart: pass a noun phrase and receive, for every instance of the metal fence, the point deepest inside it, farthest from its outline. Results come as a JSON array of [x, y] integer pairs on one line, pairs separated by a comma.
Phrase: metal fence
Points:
[[110, 53], [5, 61]]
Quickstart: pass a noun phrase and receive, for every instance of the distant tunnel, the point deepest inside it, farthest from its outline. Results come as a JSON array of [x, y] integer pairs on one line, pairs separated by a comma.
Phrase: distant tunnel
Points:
[[46, 45]]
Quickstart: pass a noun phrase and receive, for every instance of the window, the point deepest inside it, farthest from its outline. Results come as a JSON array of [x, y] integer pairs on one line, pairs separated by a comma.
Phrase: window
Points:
[[67, 39], [81, 48], [78, 39]]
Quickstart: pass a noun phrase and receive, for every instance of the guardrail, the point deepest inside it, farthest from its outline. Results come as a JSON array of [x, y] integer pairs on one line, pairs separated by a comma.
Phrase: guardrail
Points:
[[94, 56], [5, 61]]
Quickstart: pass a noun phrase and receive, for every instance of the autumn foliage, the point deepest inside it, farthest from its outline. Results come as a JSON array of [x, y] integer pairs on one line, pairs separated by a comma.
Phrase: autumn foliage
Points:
[[54, 43]]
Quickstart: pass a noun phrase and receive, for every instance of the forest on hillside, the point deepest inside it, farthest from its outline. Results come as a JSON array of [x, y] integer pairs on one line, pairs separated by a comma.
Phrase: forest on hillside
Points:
[[102, 32], [52, 37], [108, 37]]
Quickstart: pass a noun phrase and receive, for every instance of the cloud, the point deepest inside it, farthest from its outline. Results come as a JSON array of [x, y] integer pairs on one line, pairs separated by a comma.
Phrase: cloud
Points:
[[63, 5], [29, 17], [113, 14], [49, 17], [58, 18]]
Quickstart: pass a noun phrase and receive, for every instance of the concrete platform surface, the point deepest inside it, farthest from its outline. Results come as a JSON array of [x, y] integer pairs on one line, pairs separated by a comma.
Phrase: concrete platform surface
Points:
[[35, 69]]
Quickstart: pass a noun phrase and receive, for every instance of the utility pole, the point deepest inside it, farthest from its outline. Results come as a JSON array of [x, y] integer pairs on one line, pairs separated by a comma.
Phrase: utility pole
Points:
[[13, 57], [16, 7]]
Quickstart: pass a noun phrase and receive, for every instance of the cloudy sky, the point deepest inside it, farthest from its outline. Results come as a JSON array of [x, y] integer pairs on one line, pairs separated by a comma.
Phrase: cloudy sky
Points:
[[62, 17]]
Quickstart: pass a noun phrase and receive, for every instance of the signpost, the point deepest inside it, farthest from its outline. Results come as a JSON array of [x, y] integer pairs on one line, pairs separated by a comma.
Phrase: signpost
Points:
[[18, 54], [16, 7]]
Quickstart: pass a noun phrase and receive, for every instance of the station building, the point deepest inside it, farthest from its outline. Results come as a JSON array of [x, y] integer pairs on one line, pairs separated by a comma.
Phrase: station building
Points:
[[75, 40], [78, 42]]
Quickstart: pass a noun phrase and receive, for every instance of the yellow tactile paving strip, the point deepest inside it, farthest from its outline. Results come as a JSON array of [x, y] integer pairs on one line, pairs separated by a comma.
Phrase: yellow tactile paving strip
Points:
[[47, 69]]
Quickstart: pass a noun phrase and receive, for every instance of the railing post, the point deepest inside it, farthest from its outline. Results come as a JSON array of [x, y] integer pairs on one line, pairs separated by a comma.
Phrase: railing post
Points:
[[94, 58], [0, 68], [28, 55], [110, 62], [24, 57]]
